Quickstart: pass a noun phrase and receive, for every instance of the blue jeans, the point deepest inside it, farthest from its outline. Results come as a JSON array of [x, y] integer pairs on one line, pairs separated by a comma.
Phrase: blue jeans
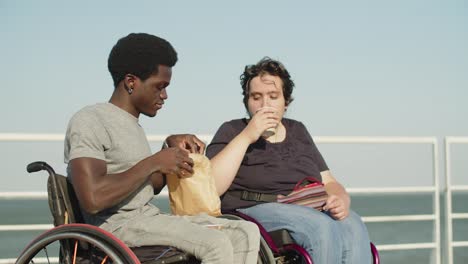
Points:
[[328, 241]]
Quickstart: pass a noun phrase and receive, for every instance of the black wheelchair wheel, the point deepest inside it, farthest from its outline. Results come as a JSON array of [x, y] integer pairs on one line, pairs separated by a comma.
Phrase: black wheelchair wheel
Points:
[[294, 254], [76, 243], [292, 257]]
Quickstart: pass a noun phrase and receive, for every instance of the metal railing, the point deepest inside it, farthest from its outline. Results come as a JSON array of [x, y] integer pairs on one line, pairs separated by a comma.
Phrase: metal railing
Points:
[[434, 188], [450, 215]]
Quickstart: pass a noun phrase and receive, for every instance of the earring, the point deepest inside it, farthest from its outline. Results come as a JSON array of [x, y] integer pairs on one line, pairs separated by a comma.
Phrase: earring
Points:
[[129, 90]]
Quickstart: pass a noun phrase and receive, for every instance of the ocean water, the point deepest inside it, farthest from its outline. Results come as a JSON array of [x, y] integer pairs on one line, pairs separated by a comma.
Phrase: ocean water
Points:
[[37, 212]]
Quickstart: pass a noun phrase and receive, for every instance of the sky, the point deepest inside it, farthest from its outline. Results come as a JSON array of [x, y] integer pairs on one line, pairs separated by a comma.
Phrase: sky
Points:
[[361, 68]]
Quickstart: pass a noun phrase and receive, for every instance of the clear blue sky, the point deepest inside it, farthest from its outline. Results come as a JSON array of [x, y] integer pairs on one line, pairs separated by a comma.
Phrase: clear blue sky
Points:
[[361, 68]]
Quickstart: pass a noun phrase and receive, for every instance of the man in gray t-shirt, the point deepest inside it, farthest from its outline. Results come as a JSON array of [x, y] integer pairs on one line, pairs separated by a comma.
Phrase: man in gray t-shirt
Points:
[[115, 175]]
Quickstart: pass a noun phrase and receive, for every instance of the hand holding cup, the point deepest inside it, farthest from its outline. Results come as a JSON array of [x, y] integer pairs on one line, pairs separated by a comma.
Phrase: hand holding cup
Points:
[[263, 123], [270, 131]]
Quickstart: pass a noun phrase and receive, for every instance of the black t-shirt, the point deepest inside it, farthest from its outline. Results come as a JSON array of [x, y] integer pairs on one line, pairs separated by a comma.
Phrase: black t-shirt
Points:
[[272, 168]]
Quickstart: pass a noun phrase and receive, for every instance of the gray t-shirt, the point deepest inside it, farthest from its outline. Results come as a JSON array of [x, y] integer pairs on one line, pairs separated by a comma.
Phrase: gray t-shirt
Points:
[[106, 132]]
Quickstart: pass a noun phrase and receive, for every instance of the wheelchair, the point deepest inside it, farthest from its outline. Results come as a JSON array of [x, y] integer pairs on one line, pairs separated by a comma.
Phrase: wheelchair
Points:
[[74, 242]]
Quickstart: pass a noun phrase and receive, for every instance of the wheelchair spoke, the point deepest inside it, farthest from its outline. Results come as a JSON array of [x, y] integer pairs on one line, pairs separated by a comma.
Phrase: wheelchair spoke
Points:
[[104, 260], [47, 254], [75, 251]]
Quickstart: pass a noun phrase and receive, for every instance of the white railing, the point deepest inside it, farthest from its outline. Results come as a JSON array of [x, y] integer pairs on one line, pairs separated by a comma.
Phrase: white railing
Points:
[[450, 215], [434, 189], [36, 260]]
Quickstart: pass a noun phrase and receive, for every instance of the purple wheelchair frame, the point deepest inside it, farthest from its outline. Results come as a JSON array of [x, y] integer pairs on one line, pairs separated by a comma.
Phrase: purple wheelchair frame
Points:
[[293, 247]]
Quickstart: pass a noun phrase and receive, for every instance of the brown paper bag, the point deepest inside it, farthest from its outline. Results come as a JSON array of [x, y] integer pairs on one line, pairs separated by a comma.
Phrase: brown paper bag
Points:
[[195, 194]]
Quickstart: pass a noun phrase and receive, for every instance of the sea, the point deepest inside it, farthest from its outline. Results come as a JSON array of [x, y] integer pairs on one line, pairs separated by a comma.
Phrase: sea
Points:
[[23, 212]]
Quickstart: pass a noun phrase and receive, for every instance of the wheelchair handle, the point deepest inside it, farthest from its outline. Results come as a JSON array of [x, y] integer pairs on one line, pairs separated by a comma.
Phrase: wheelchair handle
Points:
[[41, 165], [38, 166]]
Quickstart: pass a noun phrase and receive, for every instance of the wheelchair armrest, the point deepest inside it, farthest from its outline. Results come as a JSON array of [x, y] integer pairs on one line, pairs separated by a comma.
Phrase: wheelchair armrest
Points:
[[281, 237]]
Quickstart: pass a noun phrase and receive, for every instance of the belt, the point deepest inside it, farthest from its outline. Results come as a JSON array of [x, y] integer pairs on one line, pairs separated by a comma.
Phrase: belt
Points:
[[254, 196]]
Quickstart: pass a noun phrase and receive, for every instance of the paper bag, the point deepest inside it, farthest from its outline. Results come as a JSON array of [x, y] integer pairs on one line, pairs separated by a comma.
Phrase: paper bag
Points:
[[195, 194]]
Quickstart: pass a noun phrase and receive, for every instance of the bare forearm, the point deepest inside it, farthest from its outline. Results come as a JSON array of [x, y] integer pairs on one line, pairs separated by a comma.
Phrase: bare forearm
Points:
[[227, 162]]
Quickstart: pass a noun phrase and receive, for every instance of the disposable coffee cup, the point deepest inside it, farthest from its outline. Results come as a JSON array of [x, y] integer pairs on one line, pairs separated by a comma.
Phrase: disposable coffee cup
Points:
[[269, 132]]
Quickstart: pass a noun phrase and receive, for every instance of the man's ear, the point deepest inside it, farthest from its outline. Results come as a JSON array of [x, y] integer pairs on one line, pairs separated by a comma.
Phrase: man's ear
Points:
[[130, 80]]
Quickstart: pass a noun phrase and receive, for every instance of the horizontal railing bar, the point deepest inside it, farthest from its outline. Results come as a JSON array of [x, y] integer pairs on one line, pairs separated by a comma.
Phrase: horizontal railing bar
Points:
[[405, 246], [460, 215], [399, 218], [416, 189], [367, 219], [456, 139], [23, 195], [61, 137], [7, 261], [25, 227], [31, 137], [208, 137], [458, 187], [374, 139], [460, 243], [36, 260], [422, 189]]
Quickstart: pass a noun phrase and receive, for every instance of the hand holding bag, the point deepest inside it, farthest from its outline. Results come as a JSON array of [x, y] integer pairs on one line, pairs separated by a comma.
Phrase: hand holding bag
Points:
[[197, 193], [307, 192]]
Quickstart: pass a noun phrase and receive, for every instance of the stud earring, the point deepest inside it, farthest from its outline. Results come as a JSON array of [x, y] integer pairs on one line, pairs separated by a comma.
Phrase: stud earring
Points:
[[129, 90]]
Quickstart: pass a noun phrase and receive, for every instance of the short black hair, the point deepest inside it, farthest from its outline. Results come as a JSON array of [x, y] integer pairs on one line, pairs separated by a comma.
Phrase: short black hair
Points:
[[139, 54], [271, 67]]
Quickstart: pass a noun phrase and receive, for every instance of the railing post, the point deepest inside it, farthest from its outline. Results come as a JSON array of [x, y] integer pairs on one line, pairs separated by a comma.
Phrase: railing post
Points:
[[448, 202], [450, 187], [437, 199]]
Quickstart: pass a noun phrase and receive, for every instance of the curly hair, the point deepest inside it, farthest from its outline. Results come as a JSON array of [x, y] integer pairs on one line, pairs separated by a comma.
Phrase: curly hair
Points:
[[271, 67], [139, 54]]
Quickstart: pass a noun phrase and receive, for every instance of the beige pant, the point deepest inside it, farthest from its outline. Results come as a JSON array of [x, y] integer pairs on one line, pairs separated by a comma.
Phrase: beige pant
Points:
[[236, 241]]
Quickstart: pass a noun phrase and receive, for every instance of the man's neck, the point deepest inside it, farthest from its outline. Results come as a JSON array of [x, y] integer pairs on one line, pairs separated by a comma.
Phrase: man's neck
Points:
[[122, 101]]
